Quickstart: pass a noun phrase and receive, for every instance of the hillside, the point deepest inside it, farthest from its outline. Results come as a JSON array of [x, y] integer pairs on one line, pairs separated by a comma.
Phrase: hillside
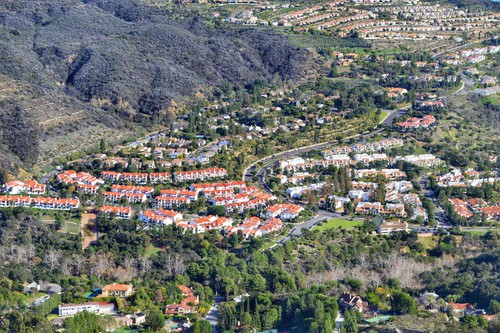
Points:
[[477, 4], [62, 62]]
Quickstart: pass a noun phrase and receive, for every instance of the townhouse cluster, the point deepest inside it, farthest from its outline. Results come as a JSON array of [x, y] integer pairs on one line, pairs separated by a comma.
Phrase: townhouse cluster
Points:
[[363, 147], [164, 177], [74, 177], [468, 178], [397, 195], [178, 198], [119, 212], [255, 227], [408, 20], [427, 21], [338, 156], [250, 227], [377, 208], [476, 206], [470, 56], [200, 175], [29, 193], [137, 177], [298, 165], [39, 202], [186, 306], [283, 211], [235, 196], [159, 217], [157, 150], [297, 191], [415, 123], [26, 186], [391, 174], [423, 160]]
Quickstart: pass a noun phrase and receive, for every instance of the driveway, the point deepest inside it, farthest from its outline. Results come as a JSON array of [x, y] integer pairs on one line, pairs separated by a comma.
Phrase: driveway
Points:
[[213, 313]]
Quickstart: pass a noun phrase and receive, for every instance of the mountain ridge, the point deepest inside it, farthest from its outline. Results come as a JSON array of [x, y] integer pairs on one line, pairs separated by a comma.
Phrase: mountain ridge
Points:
[[77, 56]]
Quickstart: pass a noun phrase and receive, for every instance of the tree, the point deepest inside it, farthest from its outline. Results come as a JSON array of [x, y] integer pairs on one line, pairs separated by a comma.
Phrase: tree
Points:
[[350, 322], [216, 210], [154, 320], [59, 221], [82, 322], [403, 303], [4, 176], [494, 306], [201, 326], [269, 318], [103, 146]]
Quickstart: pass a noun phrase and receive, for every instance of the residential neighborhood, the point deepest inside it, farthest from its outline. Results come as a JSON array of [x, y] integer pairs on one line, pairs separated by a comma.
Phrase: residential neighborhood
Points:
[[250, 166]]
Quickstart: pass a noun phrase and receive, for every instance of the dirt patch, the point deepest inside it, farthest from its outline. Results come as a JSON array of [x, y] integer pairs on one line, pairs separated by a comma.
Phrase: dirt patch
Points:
[[88, 229]]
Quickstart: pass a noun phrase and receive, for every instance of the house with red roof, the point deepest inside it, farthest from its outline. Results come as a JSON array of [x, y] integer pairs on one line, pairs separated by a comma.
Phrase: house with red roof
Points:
[[131, 197], [169, 202], [283, 211], [204, 174], [28, 186], [15, 201], [118, 211], [132, 189], [117, 290], [186, 291], [160, 216], [111, 175], [183, 308], [135, 177], [73, 177], [191, 195], [160, 177], [461, 208], [87, 188], [414, 123], [492, 212], [179, 309], [55, 203]]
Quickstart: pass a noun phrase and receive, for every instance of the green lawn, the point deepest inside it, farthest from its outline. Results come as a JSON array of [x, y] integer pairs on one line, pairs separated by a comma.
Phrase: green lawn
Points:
[[493, 99], [382, 116], [336, 222], [480, 232], [124, 330], [151, 249], [429, 242], [71, 227]]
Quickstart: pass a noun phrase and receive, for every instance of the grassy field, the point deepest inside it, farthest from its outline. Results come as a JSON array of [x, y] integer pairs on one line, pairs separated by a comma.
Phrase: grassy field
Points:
[[343, 45], [382, 115], [336, 222], [71, 227], [429, 242], [493, 99], [151, 249], [480, 232], [124, 330]]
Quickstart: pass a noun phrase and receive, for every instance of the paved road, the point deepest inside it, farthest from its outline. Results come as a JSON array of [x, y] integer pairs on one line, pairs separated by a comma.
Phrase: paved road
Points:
[[309, 224], [247, 174], [439, 54], [394, 114], [439, 214], [267, 161], [213, 313]]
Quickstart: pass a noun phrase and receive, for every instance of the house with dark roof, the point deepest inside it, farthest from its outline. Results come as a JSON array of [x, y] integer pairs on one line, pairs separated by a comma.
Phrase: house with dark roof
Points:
[[352, 301]]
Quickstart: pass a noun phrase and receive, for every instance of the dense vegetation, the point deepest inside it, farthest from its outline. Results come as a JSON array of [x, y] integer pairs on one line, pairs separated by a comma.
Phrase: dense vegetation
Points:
[[131, 60], [294, 286]]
